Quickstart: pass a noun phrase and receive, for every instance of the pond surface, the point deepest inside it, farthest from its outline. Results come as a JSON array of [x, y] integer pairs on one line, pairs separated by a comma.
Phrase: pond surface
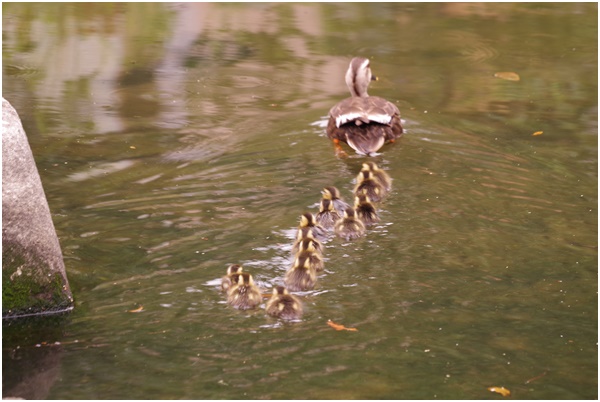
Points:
[[176, 139]]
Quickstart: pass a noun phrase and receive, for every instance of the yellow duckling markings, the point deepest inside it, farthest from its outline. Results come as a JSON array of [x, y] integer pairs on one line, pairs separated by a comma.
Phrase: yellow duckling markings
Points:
[[500, 390], [340, 327]]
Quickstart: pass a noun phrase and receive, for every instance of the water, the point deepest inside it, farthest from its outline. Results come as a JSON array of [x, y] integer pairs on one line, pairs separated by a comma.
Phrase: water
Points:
[[175, 139]]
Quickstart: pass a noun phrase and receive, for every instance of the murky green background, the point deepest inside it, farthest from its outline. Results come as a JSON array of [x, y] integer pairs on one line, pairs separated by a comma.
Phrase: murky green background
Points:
[[175, 139]]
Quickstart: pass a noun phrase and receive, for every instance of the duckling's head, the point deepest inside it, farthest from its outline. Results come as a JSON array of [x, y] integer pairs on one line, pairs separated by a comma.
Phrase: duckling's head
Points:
[[308, 244], [245, 278], [307, 219], [305, 232], [359, 76], [349, 213], [326, 205], [364, 175], [234, 268], [361, 199], [302, 262], [280, 291], [331, 193], [370, 166]]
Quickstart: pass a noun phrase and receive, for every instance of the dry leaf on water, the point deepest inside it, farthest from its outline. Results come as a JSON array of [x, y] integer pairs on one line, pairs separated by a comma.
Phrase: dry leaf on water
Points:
[[339, 327], [137, 310], [500, 390], [538, 133], [508, 75]]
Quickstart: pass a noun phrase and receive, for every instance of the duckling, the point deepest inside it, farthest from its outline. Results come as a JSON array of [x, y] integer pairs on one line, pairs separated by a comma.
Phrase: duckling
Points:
[[327, 214], [363, 122], [308, 220], [333, 194], [308, 249], [284, 305], [378, 174], [304, 234], [366, 184], [227, 279], [365, 210], [349, 227], [301, 276], [244, 294]]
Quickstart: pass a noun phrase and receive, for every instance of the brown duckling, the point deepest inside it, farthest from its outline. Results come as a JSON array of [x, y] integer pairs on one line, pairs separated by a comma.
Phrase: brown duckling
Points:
[[333, 194], [365, 210], [349, 227], [378, 174], [301, 276], [307, 220], [327, 214], [368, 185], [284, 305], [363, 122], [226, 281], [304, 234], [244, 294], [308, 248]]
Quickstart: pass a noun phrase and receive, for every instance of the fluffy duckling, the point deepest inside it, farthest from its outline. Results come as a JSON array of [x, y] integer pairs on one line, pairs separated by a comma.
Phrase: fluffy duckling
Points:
[[244, 294], [333, 194], [301, 276], [305, 233], [378, 174], [226, 281], [349, 227], [368, 185], [327, 214], [308, 249], [284, 305], [307, 220], [365, 210]]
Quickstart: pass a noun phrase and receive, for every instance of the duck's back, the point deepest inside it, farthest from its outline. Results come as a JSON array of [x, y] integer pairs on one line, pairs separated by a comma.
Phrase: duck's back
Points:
[[363, 110], [364, 123]]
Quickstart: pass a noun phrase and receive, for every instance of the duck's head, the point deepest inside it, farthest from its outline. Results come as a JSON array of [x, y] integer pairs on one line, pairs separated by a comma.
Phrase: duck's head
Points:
[[307, 219], [359, 76], [331, 193], [234, 268]]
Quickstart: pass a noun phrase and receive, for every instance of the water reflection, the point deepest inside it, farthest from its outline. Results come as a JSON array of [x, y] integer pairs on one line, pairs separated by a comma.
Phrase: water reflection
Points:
[[175, 139]]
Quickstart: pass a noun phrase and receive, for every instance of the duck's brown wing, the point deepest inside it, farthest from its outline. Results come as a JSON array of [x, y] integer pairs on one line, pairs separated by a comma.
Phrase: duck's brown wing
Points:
[[363, 110]]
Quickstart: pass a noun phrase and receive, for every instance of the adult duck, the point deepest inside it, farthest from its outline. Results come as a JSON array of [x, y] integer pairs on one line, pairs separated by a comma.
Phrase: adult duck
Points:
[[363, 122]]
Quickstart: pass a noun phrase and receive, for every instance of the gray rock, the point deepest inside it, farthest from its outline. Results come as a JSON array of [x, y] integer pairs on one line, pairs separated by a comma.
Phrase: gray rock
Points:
[[34, 280]]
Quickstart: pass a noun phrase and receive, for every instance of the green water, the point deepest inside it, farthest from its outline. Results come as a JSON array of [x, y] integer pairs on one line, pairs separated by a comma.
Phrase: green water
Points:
[[175, 139]]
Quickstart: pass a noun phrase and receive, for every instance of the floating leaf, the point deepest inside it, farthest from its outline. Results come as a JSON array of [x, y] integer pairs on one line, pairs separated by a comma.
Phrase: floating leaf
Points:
[[538, 133], [508, 75], [500, 390], [339, 327], [137, 310]]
